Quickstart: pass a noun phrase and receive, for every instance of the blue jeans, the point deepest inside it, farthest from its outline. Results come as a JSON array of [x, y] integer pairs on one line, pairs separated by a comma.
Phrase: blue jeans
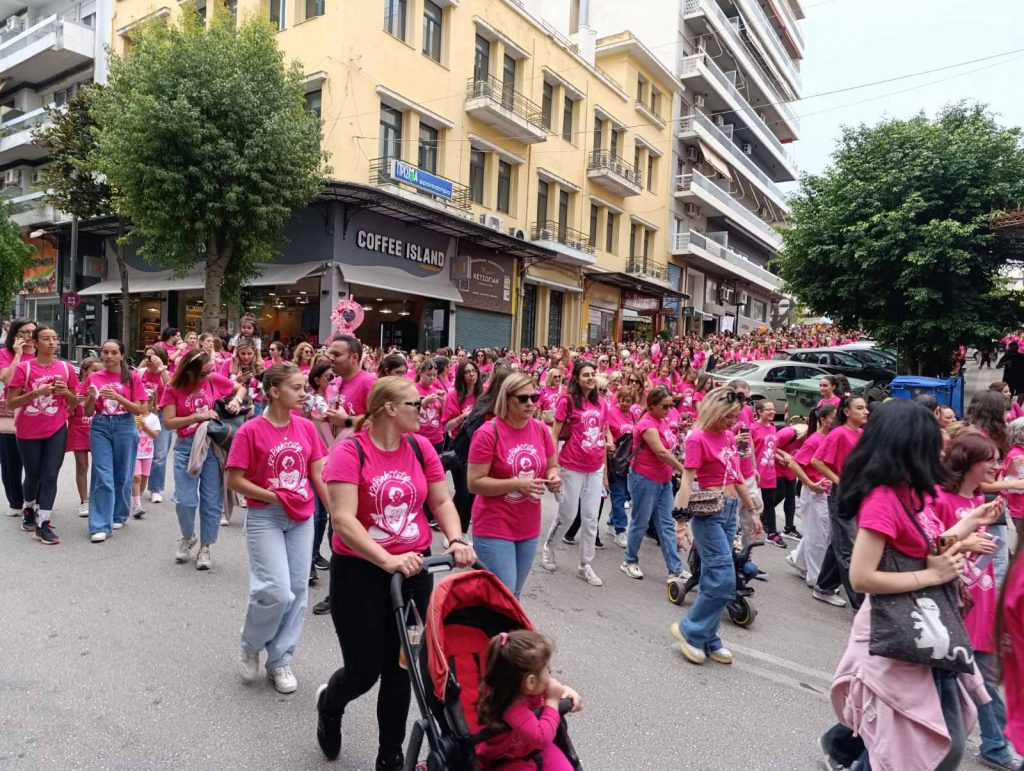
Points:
[[204, 492], [161, 449], [992, 716], [279, 555], [652, 499], [510, 561], [712, 536], [1001, 559], [257, 408], [618, 491], [113, 442]]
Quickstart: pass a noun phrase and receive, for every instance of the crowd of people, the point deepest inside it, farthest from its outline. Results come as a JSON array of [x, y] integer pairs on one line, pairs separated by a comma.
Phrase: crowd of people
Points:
[[899, 502]]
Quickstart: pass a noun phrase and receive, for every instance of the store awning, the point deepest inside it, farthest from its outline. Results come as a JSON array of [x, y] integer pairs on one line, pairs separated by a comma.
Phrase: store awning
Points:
[[274, 275], [399, 281], [553, 284], [144, 282], [714, 160]]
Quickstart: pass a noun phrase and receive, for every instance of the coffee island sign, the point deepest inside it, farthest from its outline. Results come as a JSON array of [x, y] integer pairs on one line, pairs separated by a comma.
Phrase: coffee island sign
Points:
[[432, 260]]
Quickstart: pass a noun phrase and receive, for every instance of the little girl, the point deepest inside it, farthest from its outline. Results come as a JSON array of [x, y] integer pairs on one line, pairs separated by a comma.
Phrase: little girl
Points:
[[149, 429], [516, 681], [78, 437]]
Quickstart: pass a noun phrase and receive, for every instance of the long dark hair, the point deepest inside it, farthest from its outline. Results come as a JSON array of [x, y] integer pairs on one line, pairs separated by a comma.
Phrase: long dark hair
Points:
[[576, 390], [511, 657], [126, 371], [187, 375], [390, 363], [460, 382], [962, 453], [817, 415], [12, 332], [901, 445], [844, 403], [485, 403], [987, 412]]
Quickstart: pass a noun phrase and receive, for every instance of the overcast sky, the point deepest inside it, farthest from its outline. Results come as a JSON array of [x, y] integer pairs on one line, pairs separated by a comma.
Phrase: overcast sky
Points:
[[850, 42]]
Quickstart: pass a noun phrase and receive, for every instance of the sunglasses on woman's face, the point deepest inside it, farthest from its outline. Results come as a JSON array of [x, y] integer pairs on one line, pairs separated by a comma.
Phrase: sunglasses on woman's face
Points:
[[416, 404], [524, 398], [734, 398], [635, 381]]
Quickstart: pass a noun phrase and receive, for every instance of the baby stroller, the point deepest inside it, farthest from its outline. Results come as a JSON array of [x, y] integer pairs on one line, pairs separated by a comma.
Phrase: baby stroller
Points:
[[466, 610], [741, 612]]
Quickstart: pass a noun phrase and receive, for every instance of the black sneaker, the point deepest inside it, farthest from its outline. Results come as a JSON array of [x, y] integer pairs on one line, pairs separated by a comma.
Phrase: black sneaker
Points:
[[323, 607], [28, 522], [598, 543], [792, 532], [568, 539], [328, 727], [391, 763], [313, 577], [320, 563], [44, 533]]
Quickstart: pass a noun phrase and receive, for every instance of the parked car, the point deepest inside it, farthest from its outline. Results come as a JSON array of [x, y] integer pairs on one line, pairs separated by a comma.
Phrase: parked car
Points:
[[871, 349], [768, 379], [839, 362]]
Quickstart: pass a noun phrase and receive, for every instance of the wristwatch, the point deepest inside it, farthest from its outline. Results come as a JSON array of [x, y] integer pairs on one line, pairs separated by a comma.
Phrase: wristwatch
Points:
[[457, 540]]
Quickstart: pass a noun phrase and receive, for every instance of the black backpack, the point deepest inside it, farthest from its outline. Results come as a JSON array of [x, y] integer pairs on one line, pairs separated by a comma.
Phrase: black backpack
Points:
[[458, 455], [622, 456]]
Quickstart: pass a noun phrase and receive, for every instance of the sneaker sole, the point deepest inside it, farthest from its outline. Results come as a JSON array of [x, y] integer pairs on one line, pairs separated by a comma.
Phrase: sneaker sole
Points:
[[634, 577], [689, 652], [719, 660], [202, 567], [838, 602], [138, 514], [44, 542], [279, 689]]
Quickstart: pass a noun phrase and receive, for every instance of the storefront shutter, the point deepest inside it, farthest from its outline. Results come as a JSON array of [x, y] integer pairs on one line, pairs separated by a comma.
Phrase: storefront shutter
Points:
[[529, 311], [555, 319], [482, 329]]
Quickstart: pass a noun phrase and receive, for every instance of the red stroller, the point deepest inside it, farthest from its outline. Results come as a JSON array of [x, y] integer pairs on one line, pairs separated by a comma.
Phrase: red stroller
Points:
[[466, 610]]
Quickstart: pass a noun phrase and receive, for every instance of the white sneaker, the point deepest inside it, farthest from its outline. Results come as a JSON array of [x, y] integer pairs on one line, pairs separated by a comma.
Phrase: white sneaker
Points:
[[609, 528], [156, 497], [791, 561], [15, 513], [117, 525], [98, 537], [586, 572], [83, 509], [631, 569], [248, 665], [224, 521], [203, 561], [283, 679], [722, 656], [693, 655], [828, 597], [620, 539], [683, 576], [184, 549], [138, 511], [547, 559]]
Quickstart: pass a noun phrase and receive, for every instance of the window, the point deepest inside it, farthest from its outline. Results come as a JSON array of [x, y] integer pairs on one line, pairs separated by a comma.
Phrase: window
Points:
[[650, 172], [314, 99], [529, 315], [655, 100], [757, 310], [482, 59], [89, 20], [546, 103], [609, 233], [711, 291], [508, 82], [615, 144], [61, 97], [648, 238], [314, 8], [632, 240], [640, 83], [594, 214], [278, 13], [394, 17], [432, 19], [598, 132], [542, 203], [504, 187], [201, 8], [233, 7], [568, 119], [428, 148], [477, 161], [563, 212], [555, 318], [390, 132], [636, 157]]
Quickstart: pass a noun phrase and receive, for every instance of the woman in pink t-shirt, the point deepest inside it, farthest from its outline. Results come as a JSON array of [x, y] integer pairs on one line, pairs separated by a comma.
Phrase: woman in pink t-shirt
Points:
[[113, 398], [276, 462], [512, 461], [827, 387], [187, 402], [276, 353], [581, 466], [458, 404], [763, 436], [44, 392], [246, 369], [432, 392], [18, 347], [622, 414], [302, 357], [1010, 621], [379, 481], [712, 462]]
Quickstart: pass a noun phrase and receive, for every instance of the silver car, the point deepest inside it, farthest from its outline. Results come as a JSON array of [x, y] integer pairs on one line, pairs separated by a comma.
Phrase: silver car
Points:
[[767, 378]]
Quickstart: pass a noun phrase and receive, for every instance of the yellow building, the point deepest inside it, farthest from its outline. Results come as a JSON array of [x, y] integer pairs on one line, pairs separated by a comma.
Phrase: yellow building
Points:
[[494, 182]]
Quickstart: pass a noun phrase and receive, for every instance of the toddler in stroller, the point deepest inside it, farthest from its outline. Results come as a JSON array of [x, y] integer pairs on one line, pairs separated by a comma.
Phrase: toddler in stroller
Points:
[[473, 627]]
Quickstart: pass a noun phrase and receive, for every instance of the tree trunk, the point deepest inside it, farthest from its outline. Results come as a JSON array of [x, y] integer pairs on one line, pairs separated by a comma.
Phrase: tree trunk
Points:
[[122, 269], [217, 258]]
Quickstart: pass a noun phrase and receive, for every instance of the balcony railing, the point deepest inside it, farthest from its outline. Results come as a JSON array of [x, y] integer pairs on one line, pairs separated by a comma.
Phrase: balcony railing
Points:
[[686, 238], [790, 20], [380, 174], [731, 207], [603, 160], [26, 121], [28, 36], [754, 10], [645, 266], [550, 230], [641, 105], [506, 95]]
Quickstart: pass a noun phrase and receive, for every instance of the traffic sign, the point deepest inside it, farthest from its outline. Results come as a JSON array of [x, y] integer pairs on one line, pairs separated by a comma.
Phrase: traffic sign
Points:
[[71, 299]]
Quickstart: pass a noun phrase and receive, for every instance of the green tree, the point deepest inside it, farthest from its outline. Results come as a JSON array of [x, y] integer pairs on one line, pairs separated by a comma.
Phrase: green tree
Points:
[[14, 257], [894, 238], [204, 138]]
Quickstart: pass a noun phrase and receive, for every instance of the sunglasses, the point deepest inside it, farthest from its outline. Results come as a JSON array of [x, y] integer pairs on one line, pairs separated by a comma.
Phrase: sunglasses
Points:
[[524, 398], [416, 404], [634, 380], [734, 398]]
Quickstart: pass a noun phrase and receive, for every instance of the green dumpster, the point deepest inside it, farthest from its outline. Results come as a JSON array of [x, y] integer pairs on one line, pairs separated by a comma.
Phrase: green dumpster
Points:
[[803, 395]]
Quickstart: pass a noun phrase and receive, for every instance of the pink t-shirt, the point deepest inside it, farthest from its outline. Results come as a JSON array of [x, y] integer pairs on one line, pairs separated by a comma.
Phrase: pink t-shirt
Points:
[[585, 449], [833, 400], [350, 395], [134, 391], [806, 452], [452, 408], [743, 423], [510, 452], [619, 422], [44, 416], [153, 382], [393, 487], [765, 442], [882, 512], [145, 449], [785, 440], [646, 462], [431, 427], [199, 400], [6, 357], [837, 447], [1015, 411], [687, 405], [1012, 648], [172, 358], [714, 456], [279, 459], [1013, 468]]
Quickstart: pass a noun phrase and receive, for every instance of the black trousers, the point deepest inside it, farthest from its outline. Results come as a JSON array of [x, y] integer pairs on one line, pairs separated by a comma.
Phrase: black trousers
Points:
[[835, 568], [320, 518], [785, 491], [11, 470], [367, 630], [769, 495], [463, 498], [42, 459]]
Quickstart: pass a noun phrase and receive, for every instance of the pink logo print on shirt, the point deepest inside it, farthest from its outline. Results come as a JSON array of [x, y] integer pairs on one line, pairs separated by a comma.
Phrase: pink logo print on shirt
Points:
[[525, 464], [289, 468], [394, 508]]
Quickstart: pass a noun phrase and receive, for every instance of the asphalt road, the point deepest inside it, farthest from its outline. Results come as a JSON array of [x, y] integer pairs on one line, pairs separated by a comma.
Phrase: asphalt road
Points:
[[115, 657]]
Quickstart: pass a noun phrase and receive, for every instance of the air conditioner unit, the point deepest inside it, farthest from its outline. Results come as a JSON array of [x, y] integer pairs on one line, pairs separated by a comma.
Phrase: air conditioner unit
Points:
[[692, 154], [517, 233], [691, 210], [12, 177], [699, 100], [743, 299], [725, 295], [492, 221], [748, 148], [719, 121], [14, 24]]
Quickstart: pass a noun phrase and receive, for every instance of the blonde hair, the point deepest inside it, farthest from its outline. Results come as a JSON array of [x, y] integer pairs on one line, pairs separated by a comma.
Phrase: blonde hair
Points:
[[714, 408], [299, 349], [553, 370], [387, 390], [959, 428], [512, 383]]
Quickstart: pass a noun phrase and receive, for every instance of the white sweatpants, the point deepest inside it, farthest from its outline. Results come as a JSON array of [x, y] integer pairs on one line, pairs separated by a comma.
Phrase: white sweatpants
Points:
[[581, 491], [814, 526]]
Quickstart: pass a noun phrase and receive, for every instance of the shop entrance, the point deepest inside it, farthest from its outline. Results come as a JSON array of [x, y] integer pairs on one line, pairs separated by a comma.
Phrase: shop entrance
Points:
[[401, 320]]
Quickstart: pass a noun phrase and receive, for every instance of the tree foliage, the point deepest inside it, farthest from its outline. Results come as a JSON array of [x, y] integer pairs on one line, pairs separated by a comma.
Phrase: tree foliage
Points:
[[14, 257], [893, 237], [205, 140]]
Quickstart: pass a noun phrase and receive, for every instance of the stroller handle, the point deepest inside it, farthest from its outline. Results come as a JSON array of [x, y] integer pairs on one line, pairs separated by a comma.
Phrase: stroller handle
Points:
[[437, 563]]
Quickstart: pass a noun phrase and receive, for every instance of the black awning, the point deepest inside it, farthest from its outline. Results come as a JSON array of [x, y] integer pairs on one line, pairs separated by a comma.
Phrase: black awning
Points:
[[636, 283]]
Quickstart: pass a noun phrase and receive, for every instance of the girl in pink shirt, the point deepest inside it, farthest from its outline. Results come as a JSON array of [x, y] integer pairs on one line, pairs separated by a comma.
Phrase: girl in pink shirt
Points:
[[156, 374], [275, 354], [1011, 624], [245, 369], [457, 405], [18, 347], [149, 431], [276, 462], [302, 357], [44, 392], [78, 436], [827, 388], [763, 436], [432, 393]]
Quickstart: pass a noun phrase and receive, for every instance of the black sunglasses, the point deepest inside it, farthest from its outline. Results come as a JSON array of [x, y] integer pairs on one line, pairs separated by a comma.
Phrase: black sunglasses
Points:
[[734, 398], [524, 398], [417, 404], [634, 380]]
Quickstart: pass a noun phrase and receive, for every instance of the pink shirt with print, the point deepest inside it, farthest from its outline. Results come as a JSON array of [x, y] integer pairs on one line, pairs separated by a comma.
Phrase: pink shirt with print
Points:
[[200, 399], [431, 411], [44, 416], [646, 462], [133, 391], [585, 449], [765, 442], [714, 457]]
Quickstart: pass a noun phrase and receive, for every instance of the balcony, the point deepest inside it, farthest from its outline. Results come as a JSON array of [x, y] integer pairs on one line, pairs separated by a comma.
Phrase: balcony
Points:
[[45, 50], [16, 142], [756, 19], [710, 254], [614, 174], [788, 22], [504, 109], [403, 176], [720, 139], [650, 269], [572, 246], [31, 209], [702, 191], [702, 67]]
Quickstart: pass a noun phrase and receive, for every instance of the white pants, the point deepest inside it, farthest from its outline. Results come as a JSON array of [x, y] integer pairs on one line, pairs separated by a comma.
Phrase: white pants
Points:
[[746, 516], [814, 525], [581, 492]]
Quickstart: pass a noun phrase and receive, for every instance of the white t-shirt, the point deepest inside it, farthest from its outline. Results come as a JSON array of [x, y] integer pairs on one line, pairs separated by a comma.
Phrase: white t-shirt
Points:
[[145, 440]]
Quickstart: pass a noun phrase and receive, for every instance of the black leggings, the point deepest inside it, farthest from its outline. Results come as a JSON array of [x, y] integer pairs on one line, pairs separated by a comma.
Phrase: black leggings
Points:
[[11, 470], [42, 459], [366, 628], [835, 568], [463, 498], [785, 491], [768, 519]]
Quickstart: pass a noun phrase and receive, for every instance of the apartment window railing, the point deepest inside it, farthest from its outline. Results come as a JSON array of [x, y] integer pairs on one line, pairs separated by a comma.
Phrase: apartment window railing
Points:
[[551, 230], [687, 237], [29, 35], [650, 111], [513, 101], [790, 20], [754, 9], [22, 122], [737, 210], [380, 174], [603, 160], [640, 266]]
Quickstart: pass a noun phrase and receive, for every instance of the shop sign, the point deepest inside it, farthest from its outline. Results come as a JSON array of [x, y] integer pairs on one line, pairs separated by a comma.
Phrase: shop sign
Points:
[[40, 274], [420, 179], [485, 282], [396, 247], [689, 312], [373, 240], [640, 302]]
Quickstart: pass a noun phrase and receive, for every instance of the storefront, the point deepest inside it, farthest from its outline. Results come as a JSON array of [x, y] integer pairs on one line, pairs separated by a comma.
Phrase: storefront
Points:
[[484, 318], [603, 303], [645, 306], [552, 306]]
